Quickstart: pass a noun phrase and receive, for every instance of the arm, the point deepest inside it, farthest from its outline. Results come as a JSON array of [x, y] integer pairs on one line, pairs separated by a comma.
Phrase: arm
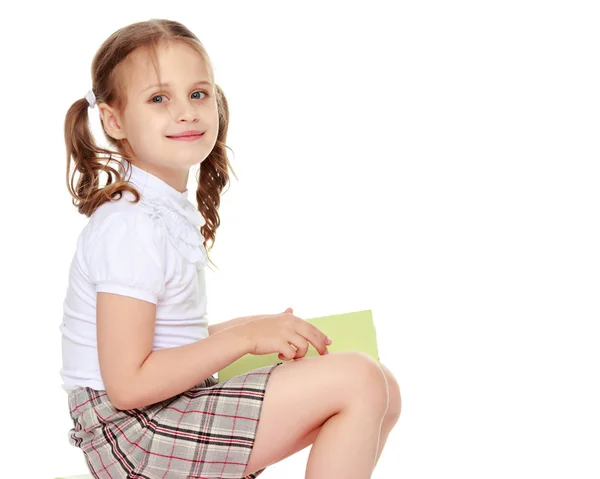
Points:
[[215, 328], [135, 376]]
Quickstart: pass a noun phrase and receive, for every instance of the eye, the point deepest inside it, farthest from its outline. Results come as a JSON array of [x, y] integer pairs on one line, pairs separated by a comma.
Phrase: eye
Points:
[[160, 96], [200, 91]]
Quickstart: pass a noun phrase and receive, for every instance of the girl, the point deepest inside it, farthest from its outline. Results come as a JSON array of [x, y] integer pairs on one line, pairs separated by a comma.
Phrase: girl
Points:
[[139, 356]]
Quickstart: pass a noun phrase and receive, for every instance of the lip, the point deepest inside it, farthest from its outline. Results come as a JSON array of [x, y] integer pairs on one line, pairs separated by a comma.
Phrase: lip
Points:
[[188, 133]]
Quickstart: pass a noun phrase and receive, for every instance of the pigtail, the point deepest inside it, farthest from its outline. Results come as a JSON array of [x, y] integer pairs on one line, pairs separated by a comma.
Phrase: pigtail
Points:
[[213, 175], [89, 161]]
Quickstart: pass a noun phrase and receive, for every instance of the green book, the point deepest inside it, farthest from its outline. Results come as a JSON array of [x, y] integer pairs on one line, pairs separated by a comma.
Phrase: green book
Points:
[[348, 332]]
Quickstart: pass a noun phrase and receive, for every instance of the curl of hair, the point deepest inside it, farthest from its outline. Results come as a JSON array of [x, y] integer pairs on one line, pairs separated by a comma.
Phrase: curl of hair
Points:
[[108, 85]]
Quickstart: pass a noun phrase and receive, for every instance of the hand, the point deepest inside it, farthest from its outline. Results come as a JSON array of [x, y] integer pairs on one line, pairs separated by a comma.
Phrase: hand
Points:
[[282, 333]]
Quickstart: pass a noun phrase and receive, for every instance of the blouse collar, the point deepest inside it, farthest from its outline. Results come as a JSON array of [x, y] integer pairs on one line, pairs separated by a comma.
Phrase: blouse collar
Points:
[[154, 189], [153, 185]]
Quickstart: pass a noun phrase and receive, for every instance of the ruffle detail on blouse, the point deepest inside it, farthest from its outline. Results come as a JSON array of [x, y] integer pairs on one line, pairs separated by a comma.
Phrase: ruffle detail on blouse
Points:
[[182, 222]]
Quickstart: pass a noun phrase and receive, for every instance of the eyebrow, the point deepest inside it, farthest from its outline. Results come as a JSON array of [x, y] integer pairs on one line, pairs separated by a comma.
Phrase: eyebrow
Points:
[[163, 85]]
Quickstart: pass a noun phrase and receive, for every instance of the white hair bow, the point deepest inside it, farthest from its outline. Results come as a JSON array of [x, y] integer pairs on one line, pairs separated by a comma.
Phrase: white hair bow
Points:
[[91, 98]]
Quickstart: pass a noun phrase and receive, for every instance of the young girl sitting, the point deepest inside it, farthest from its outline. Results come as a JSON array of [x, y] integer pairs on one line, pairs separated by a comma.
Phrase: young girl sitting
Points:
[[139, 357]]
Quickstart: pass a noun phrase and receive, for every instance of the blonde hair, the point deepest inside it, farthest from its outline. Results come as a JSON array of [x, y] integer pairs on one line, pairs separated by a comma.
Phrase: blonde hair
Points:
[[108, 86]]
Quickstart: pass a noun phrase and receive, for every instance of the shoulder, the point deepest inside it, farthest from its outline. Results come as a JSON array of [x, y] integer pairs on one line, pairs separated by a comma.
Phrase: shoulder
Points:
[[123, 214], [125, 229], [126, 252]]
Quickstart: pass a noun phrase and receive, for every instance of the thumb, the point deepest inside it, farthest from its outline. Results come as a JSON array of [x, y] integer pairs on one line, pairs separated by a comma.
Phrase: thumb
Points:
[[289, 310]]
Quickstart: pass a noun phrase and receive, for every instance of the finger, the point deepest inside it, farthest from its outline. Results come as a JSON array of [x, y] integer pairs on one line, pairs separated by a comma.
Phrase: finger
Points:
[[315, 336], [301, 346], [287, 351], [312, 334]]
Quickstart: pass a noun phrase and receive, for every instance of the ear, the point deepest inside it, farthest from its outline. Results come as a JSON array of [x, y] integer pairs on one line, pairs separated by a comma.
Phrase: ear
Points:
[[111, 121]]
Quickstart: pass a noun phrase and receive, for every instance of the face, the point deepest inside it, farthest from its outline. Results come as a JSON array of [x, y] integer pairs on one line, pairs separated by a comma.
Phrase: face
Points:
[[154, 114]]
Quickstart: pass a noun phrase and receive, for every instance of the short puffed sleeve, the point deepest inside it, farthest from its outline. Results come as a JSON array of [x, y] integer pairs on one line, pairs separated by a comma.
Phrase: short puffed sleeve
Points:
[[126, 256]]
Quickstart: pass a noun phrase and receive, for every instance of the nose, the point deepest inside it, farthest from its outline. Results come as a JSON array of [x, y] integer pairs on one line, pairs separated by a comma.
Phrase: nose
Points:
[[185, 111]]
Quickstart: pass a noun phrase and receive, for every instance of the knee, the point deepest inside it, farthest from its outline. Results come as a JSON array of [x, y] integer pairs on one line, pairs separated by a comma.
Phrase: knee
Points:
[[368, 379], [395, 399]]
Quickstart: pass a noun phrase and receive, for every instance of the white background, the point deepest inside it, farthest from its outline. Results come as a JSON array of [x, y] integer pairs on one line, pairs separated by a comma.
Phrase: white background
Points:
[[436, 162]]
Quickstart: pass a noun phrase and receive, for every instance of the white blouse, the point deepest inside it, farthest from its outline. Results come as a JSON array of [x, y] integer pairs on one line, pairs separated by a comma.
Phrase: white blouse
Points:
[[152, 250]]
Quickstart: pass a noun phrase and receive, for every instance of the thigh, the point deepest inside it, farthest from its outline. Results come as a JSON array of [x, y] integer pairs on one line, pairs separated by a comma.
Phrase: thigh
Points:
[[301, 395]]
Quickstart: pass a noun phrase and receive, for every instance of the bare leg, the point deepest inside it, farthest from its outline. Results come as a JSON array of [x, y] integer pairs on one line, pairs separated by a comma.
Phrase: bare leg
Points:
[[389, 421], [346, 446], [393, 413], [346, 386], [310, 439], [385, 432]]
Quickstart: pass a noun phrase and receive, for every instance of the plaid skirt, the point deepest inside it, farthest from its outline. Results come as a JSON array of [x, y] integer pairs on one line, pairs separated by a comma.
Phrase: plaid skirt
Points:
[[205, 432]]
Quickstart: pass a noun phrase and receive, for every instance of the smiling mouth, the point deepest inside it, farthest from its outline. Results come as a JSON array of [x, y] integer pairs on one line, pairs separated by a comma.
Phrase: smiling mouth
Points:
[[186, 137], [186, 134]]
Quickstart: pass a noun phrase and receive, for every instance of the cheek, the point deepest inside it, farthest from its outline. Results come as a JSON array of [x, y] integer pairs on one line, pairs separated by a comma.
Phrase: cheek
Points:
[[214, 125], [211, 140], [146, 140], [147, 130]]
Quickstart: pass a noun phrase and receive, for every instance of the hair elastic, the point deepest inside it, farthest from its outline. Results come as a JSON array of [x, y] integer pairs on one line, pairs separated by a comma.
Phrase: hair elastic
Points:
[[91, 98]]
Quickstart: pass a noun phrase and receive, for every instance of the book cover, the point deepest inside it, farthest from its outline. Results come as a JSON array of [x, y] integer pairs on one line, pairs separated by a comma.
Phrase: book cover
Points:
[[354, 331]]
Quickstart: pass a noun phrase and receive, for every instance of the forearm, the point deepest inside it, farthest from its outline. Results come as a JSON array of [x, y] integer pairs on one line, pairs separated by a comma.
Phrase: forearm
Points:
[[215, 328], [171, 371]]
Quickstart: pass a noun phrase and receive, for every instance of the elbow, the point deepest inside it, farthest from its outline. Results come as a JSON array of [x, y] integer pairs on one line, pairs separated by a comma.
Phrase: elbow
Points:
[[116, 400], [120, 397]]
